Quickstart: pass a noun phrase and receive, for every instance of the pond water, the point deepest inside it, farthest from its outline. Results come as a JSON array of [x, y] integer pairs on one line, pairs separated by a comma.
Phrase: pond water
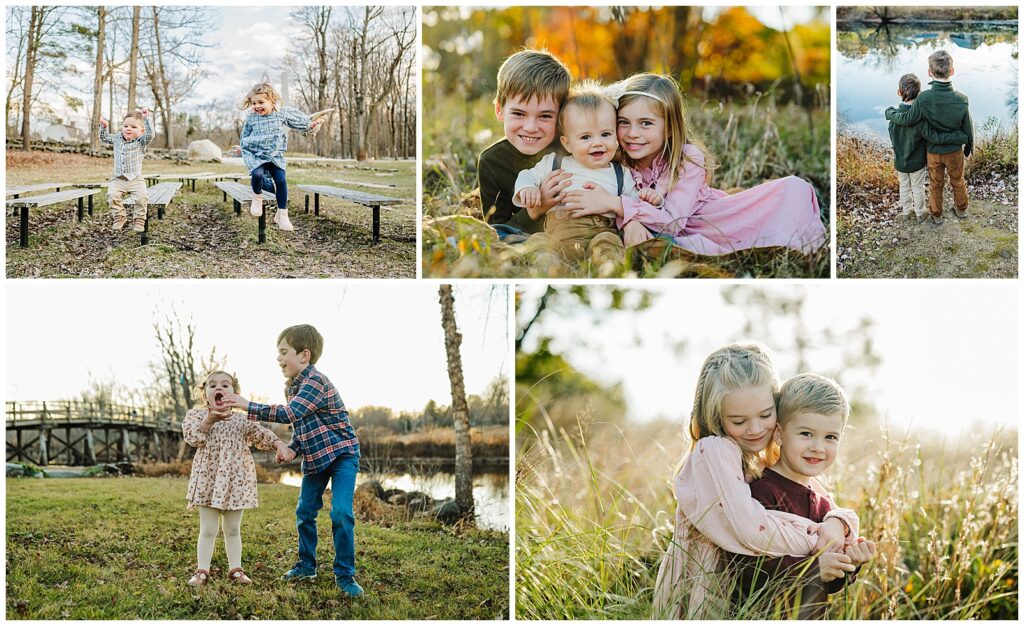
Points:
[[871, 60], [490, 491]]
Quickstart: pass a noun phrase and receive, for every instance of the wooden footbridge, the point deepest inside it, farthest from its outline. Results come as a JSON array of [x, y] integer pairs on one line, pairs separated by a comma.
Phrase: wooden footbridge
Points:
[[87, 433]]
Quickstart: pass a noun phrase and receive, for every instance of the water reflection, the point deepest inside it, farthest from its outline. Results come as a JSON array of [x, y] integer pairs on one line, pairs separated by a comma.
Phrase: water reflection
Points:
[[871, 60], [490, 491]]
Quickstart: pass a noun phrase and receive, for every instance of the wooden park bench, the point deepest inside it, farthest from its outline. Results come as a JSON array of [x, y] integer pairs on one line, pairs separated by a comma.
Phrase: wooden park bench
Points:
[[20, 190], [369, 200], [243, 193], [159, 196], [47, 199]]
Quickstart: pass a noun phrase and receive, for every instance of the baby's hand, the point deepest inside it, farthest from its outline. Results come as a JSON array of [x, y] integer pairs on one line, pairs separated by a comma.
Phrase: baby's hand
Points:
[[144, 112], [529, 197], [235, 400], [650, 196], [104, 123], [861, 552], [832, 566]]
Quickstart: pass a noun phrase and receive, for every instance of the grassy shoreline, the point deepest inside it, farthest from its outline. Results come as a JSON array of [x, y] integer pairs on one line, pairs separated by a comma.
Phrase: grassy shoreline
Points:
[[122, 548]]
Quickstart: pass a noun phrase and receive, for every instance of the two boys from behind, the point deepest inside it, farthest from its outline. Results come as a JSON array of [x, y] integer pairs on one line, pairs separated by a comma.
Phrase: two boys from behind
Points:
[[946, 110], [812, 413]]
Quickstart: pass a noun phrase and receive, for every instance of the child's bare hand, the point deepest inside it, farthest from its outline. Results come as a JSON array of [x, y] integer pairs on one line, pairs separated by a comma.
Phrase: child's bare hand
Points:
[[635, 233], [104, 123], [235, 400], [284, 453], [831, 535], [861, 552], [315, 123], [552, 188], [144, 112], [832, 566], [529, 197], [650, 196]]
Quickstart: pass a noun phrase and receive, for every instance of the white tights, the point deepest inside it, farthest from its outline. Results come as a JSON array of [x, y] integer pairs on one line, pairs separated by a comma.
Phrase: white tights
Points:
[[209, 520]]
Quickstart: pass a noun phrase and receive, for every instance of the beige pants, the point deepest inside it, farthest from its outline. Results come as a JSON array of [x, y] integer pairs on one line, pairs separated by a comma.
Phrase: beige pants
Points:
[[593, 236], [134, 189], [912, 191]]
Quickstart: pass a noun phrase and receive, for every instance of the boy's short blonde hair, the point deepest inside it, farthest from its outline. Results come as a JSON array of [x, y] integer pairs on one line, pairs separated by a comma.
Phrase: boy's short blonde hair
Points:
[[529, 74], [811, 393], [940, 64], [304, 337], [589, 96]]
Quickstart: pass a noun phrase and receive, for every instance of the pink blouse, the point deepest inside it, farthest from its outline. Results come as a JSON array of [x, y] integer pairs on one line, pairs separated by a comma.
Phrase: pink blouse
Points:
[[716, 512]]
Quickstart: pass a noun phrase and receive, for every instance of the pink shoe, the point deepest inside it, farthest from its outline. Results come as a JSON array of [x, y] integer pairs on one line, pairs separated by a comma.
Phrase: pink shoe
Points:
[[238, 577], [256, 208], [200, 578]]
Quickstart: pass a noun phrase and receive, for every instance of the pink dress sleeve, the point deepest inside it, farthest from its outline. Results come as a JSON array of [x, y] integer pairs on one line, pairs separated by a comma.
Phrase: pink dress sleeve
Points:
[[716, 500], [847, 516], [258, 436], [681, 201], [190, 428]]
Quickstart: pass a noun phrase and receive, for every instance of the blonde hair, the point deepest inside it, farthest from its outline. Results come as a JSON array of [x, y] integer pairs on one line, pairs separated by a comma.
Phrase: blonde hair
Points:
[[201, 388], [261, 89], [731, 368], [811, 393], [587, 96], [532, 74], [940, 64], [668, 103]]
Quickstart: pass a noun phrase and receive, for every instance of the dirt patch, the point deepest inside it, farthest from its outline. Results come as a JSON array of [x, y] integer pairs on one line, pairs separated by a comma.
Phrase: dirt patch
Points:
[[874, 241]]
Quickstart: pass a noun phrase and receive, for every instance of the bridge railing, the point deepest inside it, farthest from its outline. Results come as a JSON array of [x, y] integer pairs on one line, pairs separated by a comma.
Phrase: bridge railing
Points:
[[74, 410]]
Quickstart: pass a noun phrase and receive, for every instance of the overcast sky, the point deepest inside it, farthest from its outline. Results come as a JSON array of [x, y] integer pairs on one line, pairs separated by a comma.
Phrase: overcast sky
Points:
[[383, 342], [948, 351]]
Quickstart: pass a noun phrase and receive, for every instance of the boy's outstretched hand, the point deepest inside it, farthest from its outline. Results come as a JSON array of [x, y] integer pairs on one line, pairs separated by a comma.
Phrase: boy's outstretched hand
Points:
[[144, 112], [104, 123], [861, 552], [284, 453], [235, 400], [832, 566]]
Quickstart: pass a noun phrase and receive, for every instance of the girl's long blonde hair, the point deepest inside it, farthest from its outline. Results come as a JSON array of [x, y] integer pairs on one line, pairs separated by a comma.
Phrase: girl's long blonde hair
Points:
[[668, 103], [261, 89], [731, 368]]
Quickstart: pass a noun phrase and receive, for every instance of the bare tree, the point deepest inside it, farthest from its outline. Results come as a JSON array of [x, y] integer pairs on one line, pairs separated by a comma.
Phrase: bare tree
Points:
[[97, 84], [316, 21], [42, 21], [460, 409], [133, 55], [17, 25]]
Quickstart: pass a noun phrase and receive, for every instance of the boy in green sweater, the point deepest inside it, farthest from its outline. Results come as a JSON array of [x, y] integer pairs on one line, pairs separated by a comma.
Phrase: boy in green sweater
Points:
[[946, 110], [908, 146], [532, 86]]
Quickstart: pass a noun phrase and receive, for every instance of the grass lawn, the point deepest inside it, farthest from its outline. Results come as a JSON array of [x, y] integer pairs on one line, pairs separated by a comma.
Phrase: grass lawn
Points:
[[123, 548], [200, 235]]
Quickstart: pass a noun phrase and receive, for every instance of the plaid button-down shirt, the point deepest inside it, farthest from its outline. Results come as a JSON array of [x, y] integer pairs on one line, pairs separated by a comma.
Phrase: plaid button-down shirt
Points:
[[265, 137], [322, 431], [128, 154]]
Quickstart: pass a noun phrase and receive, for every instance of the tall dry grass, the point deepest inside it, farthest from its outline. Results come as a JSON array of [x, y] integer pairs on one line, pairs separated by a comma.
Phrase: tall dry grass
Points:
[[594, 514]]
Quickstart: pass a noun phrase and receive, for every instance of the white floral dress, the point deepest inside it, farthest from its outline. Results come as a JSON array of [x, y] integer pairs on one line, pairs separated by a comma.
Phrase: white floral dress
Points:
[[223, 470]]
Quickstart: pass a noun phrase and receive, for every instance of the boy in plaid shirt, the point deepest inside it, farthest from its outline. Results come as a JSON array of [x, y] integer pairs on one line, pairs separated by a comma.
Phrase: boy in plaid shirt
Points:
[[129, 148], [329, 448]]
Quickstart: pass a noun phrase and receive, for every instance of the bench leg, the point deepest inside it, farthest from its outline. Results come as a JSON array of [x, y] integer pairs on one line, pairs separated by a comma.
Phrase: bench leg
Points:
[[90, 206], [376, 224], [81, 209], [238, 206], [225, 196], [316, 205], [307, 203], [144, 236], [263, 227], [23, 228], [193, 184], [159, 211]]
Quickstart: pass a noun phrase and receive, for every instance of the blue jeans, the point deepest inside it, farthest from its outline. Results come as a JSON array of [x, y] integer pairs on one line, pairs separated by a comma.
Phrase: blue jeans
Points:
[[280, 184], [342, 475]]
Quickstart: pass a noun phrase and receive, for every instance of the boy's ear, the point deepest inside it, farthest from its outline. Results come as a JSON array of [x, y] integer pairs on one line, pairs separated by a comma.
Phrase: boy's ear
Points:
[[777, 435], [305, 355], [498, 113]]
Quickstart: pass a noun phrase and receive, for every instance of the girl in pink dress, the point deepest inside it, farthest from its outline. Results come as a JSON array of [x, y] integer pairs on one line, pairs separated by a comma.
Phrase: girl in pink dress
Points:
[[731, 430], [652, 132]]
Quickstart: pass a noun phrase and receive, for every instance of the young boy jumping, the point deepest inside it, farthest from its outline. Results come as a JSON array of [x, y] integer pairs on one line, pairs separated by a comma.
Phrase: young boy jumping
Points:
[[812, 413], [129, 148], [947, 110], [329, 448]]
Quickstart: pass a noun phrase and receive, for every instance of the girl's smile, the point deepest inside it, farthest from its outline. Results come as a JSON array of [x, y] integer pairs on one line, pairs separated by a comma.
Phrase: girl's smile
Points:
[[748, 416]]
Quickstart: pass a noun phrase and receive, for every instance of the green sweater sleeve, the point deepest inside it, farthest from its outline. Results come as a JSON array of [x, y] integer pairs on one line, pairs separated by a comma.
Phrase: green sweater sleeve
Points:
[[932, 135], [904, 118], [488, 188], [968, 128]]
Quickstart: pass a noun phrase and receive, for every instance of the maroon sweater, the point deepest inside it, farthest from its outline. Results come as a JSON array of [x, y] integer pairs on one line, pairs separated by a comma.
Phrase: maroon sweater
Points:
[[778, 493]]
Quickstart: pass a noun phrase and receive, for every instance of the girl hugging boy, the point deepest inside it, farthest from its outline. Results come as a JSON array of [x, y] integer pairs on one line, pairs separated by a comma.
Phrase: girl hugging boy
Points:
[[732, 536], [586, 125]]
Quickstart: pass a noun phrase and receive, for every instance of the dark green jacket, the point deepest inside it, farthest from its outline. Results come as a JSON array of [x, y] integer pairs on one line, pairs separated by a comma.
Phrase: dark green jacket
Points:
[[908, 142], [497, 168], [945, 109]]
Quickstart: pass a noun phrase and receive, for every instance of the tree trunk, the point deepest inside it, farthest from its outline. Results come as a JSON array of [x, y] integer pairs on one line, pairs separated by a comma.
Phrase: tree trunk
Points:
[[361, 61], [460, 410], [163, 83], [35, 25], [15, 80], [134, 59], [97, 83]]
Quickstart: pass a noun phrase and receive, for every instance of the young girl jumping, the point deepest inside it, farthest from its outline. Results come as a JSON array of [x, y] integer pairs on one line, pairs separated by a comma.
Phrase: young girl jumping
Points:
[[731, 428], [654, 137], [263, 142], [223, 481]]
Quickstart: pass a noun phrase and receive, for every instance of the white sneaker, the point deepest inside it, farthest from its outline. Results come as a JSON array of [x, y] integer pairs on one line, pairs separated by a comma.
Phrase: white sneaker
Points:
[[256, 208], [282, 221]]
